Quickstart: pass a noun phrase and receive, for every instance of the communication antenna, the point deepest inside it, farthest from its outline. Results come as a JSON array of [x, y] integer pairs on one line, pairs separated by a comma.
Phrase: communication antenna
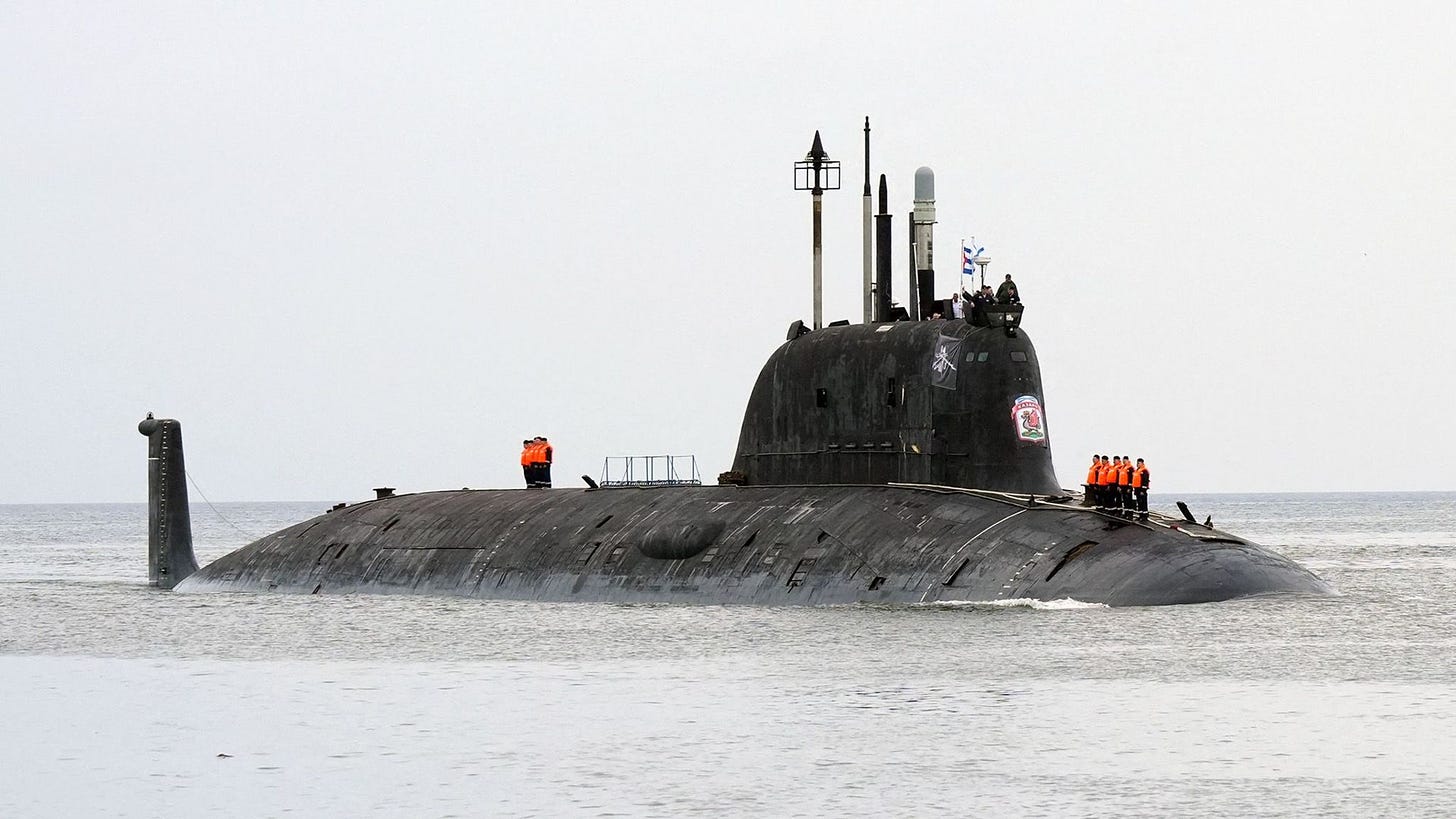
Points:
[[817, 173]]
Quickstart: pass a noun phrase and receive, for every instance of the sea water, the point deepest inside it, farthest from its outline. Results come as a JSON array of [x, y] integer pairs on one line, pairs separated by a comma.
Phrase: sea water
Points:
[[121, 700]]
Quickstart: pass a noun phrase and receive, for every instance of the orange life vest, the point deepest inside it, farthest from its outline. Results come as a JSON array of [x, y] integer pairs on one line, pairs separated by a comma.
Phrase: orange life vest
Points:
[[546, 452], [1106, 477], [526, 459], [1124, 474], [1092, 473], [1140, 477]]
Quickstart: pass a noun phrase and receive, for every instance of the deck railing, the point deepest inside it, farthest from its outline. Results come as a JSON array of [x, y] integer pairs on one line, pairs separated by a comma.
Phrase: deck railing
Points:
[[651, 470]]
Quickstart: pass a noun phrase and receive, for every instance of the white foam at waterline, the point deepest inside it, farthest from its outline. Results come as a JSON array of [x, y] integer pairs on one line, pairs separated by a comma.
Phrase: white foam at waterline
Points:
[[1064, 604]]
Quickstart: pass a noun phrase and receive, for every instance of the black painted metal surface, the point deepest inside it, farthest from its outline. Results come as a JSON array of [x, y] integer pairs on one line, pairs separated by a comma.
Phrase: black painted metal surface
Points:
[[169, 532], [884, 289], [767, 545], [856, 404]]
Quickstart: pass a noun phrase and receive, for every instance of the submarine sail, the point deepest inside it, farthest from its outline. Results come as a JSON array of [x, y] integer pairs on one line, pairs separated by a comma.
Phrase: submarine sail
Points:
[[926, 402]]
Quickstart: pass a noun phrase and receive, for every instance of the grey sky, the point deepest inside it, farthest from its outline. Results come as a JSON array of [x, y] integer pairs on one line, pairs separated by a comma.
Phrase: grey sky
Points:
[[350, 247]]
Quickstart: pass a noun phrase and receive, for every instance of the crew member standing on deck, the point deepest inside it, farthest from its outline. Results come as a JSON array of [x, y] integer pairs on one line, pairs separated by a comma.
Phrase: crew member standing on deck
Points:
[[1141, 480], [538, 462], [1105, 481], [1091, 484], [1124, 487], [1114, 490], [545, 462], [526, 460]]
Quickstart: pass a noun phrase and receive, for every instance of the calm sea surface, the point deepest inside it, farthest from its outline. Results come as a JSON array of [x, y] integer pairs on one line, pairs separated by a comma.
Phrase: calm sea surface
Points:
[[119, 700]]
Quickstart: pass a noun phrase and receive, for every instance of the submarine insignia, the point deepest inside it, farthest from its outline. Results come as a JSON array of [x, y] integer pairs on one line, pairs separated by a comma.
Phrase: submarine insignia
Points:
[[1026, 414], [944, 370]]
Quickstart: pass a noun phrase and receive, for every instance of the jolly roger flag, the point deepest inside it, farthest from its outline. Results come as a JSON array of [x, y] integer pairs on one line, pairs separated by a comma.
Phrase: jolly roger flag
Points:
[[945, 362]]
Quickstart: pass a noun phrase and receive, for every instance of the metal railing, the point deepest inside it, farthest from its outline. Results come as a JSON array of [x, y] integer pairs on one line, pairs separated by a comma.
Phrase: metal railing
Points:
[[651, 470]]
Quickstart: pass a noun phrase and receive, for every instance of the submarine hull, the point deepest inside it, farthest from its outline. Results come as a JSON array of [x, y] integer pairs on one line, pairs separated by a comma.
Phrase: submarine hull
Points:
[[794, 545]]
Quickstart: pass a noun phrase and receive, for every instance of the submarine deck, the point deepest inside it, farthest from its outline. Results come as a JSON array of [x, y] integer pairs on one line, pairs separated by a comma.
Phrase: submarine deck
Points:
[[758, 544]]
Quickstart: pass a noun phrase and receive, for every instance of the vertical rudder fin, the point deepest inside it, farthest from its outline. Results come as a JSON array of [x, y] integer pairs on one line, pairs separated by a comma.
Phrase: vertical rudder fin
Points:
[[169, 524]]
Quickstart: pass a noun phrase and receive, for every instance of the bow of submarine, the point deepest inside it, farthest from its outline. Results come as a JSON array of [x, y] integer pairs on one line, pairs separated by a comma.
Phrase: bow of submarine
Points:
[[1153, 565]]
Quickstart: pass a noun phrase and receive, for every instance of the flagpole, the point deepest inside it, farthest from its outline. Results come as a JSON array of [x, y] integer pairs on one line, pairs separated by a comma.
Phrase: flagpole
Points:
[[869, 312], [962, 288]]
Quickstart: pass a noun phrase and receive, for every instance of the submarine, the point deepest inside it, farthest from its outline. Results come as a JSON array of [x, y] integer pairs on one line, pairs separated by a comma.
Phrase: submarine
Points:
[[905, 459]]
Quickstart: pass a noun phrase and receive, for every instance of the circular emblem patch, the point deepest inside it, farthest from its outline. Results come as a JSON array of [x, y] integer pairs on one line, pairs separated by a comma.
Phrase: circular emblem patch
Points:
[[1030, 424]]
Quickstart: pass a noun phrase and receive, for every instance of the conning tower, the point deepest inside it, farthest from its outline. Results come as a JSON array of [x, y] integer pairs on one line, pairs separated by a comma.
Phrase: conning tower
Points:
[[953, 403]]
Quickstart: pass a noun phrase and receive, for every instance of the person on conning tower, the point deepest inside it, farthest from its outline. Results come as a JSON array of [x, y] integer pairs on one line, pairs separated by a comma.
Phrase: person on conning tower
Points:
[[979, 301], [1006, 293]]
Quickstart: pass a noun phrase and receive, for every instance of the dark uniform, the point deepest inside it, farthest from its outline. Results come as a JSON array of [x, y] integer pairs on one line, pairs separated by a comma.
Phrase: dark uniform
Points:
[[527, 460], [978, 306], [1006, 293], [545, 461], [1114, 491], [1106, 480], [1124, 487], [1141, 480]]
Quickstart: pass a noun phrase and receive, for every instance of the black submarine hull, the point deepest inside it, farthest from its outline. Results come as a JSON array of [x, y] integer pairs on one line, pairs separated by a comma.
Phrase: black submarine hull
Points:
[[795, 545]]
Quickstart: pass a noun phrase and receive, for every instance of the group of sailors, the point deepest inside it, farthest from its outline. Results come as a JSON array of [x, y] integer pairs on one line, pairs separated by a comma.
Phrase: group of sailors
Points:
[[978, 301], [1115, 485], [536, 462]]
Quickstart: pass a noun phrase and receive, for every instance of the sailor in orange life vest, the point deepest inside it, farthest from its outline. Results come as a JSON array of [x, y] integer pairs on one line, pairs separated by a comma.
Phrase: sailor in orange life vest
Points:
[[537, 471], [543, 462], [1141, 480], [1124, 487], [1105, 480], [1114, 491], [1091, 484], [1102, 471], [528, 459], [1109, 483], [1120, 484]]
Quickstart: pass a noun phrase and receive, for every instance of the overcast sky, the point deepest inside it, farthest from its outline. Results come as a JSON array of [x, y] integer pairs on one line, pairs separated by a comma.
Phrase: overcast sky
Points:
[[353, 246]]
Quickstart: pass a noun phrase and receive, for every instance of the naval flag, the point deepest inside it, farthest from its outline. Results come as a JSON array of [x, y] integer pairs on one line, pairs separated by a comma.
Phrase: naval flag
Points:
[[968, 258]]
